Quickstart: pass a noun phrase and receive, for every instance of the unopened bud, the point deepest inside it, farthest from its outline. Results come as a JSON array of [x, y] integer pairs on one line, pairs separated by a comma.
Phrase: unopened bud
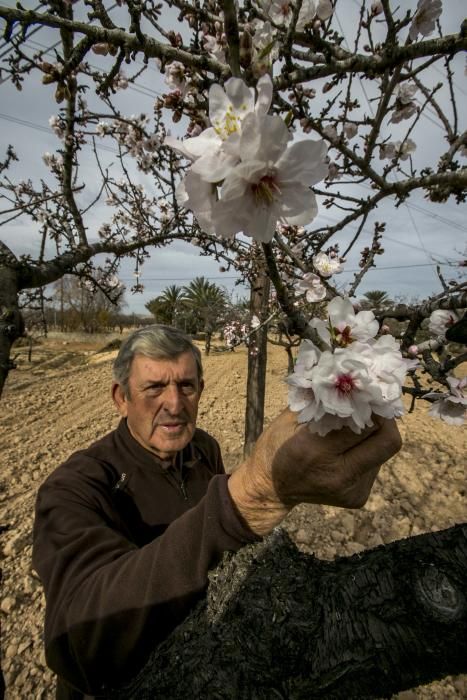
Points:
[[246, 49], [60, 94], [48, 78], [100, 49], [47, 67], [413, 350], [376, 8]]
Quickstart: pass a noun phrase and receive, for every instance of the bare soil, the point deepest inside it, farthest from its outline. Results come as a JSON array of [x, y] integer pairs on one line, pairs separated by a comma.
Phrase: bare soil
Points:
[[60, 402]]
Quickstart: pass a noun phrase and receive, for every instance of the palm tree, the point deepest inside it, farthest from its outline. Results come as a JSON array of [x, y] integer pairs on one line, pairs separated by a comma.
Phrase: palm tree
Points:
[[375, 299], [167, 307], [207, 303]]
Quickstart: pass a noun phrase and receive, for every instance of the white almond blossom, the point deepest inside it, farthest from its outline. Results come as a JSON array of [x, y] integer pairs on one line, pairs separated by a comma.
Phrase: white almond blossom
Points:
[[281, 11], [336, 391], [327, 265], [271, 182], [406, 92], [440, 320], [451, 406], [354, 378], [245, 178], [424, 21], [265, 46], [344, 326], [217, 147], [311, 286]]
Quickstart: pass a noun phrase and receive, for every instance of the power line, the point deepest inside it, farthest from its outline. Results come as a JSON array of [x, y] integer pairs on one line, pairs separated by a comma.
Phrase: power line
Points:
[[45, 129], [417, 207], [189, 279]]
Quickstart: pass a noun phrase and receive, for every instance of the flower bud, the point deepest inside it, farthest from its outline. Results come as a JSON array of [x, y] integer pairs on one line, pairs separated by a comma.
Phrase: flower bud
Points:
[[376, 8], [413, 350], [246, 49], [48, 78], [101, 49]]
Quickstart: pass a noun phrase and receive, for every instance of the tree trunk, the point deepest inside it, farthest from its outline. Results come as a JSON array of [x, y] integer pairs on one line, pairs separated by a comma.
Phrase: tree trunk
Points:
[[257, 363], [11, 322], [277, 623]]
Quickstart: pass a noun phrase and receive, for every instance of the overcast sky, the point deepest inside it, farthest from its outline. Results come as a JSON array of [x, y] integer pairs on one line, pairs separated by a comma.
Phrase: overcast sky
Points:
[[419, 234]]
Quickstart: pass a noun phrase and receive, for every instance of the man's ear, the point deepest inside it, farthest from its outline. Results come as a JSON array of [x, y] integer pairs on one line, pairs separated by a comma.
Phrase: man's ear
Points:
[[201, 386], [119, 399]]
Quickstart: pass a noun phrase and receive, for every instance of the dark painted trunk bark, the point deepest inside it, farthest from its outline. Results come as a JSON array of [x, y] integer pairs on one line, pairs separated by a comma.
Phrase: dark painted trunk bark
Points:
[[277, 623], [11, 323], [257, 364]]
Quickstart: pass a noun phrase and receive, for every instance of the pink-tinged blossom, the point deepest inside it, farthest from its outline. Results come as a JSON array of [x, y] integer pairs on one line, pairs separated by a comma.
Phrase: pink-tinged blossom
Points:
[[337, 391], [334, 172], [212, 46], [331, 133], [345, 385], [424, 21], [175, 75], [350, 130], [386, 365], [403, 111], [451, 406], [344, 326], [401, 149], [311, 286], [441, 320]]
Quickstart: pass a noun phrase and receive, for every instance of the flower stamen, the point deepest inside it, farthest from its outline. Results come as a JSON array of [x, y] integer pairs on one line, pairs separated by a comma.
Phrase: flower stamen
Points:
[[265, 191], [345, 384]]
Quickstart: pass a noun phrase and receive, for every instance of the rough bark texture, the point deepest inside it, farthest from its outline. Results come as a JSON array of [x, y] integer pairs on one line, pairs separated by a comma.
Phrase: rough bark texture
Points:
[[257, 363], [277, 623], [11, 323]]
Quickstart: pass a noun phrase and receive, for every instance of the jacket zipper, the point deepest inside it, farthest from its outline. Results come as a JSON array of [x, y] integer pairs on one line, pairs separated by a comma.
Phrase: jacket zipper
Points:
[[180, 483]]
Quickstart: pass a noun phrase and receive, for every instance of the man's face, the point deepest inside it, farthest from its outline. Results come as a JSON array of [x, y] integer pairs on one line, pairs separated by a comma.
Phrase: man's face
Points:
[[162, 405]]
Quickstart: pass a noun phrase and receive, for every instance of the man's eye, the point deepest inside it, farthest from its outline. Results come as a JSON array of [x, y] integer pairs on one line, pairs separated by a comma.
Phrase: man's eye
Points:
[[187, 389], [154, 390]]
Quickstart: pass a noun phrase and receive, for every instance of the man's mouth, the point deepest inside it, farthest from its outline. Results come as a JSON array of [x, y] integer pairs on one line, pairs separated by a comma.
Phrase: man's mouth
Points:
[[171, 427]]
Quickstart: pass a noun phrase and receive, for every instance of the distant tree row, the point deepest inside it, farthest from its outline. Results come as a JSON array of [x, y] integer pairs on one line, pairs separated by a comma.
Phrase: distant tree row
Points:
[[199, 307]]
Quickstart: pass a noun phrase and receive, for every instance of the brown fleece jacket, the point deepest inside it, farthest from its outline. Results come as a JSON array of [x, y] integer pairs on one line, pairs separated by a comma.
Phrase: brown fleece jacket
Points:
[[123, 546]]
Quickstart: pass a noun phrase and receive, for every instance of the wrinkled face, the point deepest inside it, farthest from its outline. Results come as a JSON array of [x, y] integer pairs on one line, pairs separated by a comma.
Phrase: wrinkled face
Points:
[[162, 405]]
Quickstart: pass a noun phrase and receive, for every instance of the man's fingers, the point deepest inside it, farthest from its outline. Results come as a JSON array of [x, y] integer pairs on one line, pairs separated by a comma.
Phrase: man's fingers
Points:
[[382, 444]]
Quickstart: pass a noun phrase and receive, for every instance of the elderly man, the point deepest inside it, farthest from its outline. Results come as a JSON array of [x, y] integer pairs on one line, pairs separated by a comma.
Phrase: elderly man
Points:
[[127, 529]]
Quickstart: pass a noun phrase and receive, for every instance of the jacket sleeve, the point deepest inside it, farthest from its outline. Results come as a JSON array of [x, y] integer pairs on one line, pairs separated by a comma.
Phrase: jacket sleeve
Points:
[[109, 602]]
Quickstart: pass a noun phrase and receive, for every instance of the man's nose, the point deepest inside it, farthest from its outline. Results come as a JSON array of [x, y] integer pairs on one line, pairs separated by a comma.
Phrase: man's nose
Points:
[[173, 399]]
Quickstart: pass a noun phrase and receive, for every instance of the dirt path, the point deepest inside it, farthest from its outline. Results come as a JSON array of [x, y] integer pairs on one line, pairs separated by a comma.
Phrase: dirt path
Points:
[[61, 405]]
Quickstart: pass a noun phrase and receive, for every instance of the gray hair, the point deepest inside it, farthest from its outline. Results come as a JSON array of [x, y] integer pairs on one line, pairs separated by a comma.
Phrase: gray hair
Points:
[[158, 342]]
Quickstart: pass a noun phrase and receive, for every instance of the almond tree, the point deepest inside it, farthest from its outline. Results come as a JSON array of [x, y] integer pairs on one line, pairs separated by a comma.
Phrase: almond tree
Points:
[[356, 110], [364, 103]]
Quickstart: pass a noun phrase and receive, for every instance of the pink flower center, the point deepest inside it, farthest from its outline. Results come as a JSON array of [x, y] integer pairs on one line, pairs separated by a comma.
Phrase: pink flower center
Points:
[[345, 384]]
